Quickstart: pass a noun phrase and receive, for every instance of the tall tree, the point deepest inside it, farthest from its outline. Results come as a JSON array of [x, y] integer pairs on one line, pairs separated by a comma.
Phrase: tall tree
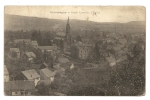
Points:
[[61, 45], [39, 38], [34, 35], [78, 38], [97, 53]]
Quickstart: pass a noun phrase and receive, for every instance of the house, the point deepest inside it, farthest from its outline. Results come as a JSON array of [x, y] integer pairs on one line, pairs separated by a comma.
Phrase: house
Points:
[[6, 74], [81, 50], [123, 41], [56, 66], [48, 48], [26, 41], [34, 44], [49, 51], [31, 75], [29, 56], [88, 42], [111, 60], [47, 74], [18, 88], [63, 60], [44, 65], [72, 66], [15, 52]]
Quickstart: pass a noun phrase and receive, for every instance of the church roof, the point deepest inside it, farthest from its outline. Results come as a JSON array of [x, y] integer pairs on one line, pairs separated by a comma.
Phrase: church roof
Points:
[[59, 38], [60, 34]]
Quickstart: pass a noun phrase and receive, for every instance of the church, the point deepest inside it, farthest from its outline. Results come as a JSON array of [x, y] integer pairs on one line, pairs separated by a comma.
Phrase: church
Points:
[[64, 37]]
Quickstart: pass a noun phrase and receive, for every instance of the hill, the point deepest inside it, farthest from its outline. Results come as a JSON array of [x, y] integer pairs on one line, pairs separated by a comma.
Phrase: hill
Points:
[[15, 22]]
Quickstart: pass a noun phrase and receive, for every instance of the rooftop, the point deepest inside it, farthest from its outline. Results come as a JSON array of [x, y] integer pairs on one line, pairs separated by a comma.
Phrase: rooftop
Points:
[[47, 47], [45, 64], [5, 70], [30, 54], [30, 74], [110, 59], [14, 50], [56, 66], [21, 40], [34, 42], [48, 72], [81, 44], [63, 60], [19, 85], [60, 34], [59, 38]]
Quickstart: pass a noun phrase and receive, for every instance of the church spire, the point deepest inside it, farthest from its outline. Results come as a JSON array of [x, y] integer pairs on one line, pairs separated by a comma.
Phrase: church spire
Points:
[[68, 35]]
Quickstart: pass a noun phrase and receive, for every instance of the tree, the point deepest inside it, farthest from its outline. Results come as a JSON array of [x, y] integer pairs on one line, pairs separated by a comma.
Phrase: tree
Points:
[[97, 53], [131, 74], [39, 55], [85, 91], [39, 38], [42, 89], [61, 45], [11, 37], [23, 46], [78, 38], [34, 35]]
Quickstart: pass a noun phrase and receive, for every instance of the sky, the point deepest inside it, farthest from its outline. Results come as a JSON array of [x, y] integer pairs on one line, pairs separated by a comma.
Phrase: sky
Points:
[[120, 14]]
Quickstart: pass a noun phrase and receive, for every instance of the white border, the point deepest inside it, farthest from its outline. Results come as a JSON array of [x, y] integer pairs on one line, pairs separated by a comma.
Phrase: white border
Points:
[[76, 2]]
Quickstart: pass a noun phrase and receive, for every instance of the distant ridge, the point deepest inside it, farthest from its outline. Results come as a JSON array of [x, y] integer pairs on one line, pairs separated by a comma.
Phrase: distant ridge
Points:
[[16, 22]]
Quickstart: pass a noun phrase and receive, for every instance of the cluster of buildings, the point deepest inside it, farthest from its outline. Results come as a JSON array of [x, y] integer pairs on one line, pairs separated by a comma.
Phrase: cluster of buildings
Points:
[[25, 82], [113, 49]]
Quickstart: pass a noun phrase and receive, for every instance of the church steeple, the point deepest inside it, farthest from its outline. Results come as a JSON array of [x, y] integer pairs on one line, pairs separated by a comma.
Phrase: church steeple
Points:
[[68, 27], [68, 35]]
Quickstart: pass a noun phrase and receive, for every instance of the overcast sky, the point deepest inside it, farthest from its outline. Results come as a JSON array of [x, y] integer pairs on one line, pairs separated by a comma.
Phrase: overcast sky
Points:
[[103, 13]]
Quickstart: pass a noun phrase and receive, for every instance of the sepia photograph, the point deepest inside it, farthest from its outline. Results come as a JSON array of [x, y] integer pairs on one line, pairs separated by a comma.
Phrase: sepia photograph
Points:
[[74, 50]]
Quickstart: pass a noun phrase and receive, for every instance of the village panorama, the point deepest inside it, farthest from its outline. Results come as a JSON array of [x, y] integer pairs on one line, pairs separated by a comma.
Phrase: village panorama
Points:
[[80, 58]]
